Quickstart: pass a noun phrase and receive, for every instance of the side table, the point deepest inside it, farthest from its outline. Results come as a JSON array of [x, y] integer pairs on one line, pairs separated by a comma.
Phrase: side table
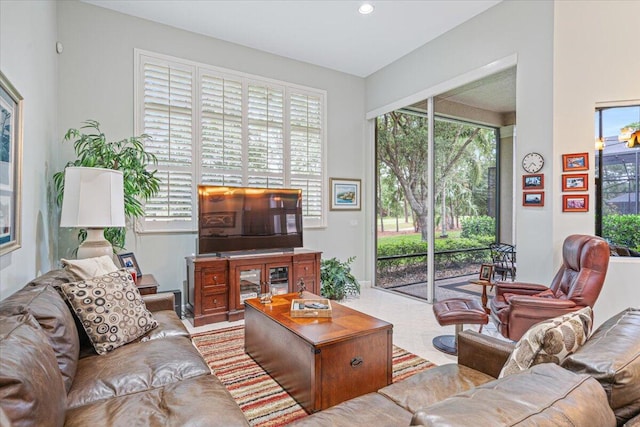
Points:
[[147, 284], [484, 284]]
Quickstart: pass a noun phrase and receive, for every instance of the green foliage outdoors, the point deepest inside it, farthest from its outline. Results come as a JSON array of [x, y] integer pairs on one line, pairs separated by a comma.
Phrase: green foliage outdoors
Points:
[[414, 245], [622, 230], [475, 226], [336, 279], [127, 155]]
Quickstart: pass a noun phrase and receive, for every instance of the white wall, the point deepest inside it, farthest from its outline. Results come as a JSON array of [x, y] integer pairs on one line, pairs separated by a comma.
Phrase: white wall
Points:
[[96, 82], [595, 60], [29, 61], [512, 28]]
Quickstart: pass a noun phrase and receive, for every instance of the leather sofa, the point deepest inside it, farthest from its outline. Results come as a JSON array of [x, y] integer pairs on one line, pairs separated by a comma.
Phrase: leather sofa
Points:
[[50, 375], [599, 385]]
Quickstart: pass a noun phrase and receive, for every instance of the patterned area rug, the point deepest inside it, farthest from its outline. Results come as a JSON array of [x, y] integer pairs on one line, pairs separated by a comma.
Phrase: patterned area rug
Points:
[[260, 397]]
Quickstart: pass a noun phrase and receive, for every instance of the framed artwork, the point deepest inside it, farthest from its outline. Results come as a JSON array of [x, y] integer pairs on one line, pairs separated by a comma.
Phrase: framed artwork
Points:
[[533, 198], [10, 165], [533, 181], [128, 260], [575, 203], [345, 194], [575, 162], [575, 182], [486, 271]]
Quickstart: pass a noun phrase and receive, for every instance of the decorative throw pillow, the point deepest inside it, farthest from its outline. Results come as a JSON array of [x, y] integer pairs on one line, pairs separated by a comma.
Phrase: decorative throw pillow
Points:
[[110, 309], [89, 267], [550, 341]]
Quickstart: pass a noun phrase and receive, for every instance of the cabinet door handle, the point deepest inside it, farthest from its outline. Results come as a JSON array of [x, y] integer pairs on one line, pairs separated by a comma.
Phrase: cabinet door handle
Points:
[[356, 362]]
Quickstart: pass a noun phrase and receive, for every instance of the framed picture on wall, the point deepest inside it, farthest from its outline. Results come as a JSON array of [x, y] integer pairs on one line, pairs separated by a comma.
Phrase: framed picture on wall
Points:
[[10, 165], [533, 198], [345, 194], [533, 181], [575, 203], [575, 182], [575, 162]]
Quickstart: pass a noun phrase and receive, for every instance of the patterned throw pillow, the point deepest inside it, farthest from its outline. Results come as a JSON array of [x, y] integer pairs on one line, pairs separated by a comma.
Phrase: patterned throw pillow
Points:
[[550, 341], [110, 309]]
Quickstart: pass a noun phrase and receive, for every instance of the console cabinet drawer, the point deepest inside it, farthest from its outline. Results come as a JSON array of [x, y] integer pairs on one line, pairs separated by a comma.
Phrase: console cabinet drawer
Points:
[[214, 277], [216, 302]]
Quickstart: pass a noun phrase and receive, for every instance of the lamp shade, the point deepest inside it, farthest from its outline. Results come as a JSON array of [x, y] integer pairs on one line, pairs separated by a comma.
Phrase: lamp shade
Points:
[[93, 198]]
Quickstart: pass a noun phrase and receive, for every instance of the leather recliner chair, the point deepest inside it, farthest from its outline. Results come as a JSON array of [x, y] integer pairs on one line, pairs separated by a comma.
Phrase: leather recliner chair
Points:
[[517, 306]]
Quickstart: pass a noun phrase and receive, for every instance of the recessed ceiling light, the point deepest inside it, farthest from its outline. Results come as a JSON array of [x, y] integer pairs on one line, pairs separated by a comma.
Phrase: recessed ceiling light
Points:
[[365, 8]]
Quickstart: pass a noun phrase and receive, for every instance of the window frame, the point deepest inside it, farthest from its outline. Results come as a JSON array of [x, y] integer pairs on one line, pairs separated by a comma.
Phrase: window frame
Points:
[[198, 69]]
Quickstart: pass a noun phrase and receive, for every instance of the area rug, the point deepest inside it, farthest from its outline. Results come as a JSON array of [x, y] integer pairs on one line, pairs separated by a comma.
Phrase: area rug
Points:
[[260, 397]]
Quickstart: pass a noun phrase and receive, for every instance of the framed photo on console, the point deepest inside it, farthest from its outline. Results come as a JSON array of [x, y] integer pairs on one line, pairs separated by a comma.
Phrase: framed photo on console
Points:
[[128, 260]]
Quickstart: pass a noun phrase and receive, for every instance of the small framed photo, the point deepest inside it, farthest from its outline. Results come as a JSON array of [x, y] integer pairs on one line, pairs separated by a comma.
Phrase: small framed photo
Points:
[[533, 182], [486, 271], [128, 260], [345, 194], [533, 198], [575, 203], [575, 162], [575, 182]]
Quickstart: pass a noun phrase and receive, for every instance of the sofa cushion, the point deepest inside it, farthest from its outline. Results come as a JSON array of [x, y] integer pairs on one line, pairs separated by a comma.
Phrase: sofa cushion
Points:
[[134, 368], [371, 409], [433, 385], [52, 314], [110, 308], [196, 402], [612, 356], [550, 341], [89, 267], [32, 391], [545, 395]]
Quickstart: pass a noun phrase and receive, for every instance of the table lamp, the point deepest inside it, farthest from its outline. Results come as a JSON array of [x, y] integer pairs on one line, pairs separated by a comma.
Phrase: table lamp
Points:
[[93, 199]]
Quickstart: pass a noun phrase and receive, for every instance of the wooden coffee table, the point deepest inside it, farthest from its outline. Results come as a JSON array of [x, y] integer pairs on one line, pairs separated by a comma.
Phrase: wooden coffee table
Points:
[[319, 361]]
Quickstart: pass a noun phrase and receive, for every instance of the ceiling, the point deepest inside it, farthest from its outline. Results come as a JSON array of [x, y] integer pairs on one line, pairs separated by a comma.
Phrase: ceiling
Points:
[[327, 33]]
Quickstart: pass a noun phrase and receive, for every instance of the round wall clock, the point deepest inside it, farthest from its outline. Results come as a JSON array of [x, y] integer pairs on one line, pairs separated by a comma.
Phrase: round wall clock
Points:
[[532, 162]]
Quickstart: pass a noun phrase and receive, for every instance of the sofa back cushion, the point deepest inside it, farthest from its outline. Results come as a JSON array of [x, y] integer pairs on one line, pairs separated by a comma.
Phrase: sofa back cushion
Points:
[[32, 391], [54, 317], [545, 395], [612, 356]]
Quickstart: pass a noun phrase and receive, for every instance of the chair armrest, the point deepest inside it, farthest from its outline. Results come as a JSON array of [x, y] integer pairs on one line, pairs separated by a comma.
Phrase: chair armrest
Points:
[[159, 302], [537, 303], [520, 288], [483, 353]]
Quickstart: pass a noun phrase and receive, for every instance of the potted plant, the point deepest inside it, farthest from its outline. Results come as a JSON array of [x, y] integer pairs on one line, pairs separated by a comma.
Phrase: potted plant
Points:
[[336, 279], [127, 155]]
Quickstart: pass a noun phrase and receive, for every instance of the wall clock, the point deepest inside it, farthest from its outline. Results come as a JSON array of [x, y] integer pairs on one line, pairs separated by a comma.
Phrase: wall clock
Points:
[[532, 162]]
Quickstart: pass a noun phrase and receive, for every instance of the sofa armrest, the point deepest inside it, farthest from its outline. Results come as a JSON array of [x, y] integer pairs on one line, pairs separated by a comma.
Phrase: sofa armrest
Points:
[[483, 353], [158, 302]]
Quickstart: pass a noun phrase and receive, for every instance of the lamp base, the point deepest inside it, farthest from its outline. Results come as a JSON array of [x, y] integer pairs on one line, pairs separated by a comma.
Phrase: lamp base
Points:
[[95, 245]]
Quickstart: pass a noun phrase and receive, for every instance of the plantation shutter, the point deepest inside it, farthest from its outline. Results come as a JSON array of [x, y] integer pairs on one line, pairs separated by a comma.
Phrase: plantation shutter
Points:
[[167, 117], [306, 125], [219, 127], [265, 137], [221, 122]]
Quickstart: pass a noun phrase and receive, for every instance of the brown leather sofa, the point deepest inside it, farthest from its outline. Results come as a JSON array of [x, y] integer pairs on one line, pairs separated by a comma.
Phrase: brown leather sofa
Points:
[[517, 306], [49, 375], [599, 385]]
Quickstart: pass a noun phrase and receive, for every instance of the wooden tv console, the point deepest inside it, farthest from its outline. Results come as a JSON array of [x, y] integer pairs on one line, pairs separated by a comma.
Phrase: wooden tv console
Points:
[[217, 286]]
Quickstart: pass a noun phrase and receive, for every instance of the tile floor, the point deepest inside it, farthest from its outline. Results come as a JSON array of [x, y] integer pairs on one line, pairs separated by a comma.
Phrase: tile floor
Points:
[[414, 325]]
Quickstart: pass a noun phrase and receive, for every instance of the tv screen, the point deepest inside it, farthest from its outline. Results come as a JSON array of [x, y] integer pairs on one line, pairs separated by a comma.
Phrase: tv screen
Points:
[[246, 219]]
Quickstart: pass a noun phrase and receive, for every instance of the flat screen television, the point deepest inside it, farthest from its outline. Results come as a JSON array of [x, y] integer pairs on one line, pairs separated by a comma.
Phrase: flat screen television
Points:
[[246, 219]]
